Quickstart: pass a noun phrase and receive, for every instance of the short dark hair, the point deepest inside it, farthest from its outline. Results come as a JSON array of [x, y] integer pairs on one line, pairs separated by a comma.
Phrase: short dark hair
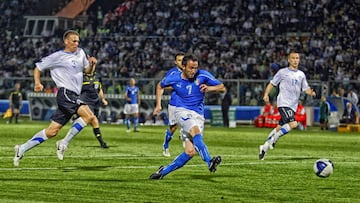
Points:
[[188, 57], [70, 32], [179, 54]]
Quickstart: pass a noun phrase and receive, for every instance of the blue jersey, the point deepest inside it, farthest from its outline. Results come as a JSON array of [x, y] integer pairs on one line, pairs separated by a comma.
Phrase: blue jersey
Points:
[[173, 93], [132, 93], [188, 92]]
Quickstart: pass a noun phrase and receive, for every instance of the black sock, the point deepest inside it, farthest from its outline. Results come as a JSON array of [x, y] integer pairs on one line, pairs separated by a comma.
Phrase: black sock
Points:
[[98, 136]]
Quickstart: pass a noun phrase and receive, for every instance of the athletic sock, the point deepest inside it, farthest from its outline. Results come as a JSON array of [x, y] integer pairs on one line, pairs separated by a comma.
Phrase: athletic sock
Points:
[[78, 125], [37, 139], [127, 121], [98, 136], [285, 129], [201, 148], [136, 123], [271, 134], [178, 162], [168, 137], [269, 141]]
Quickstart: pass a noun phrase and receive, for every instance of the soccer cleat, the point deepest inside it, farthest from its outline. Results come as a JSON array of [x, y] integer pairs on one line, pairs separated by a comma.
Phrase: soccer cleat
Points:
[[17, 156], [214, 162], [60, 150], [104, 145], [157, 175], [166, 152], [261, 152]]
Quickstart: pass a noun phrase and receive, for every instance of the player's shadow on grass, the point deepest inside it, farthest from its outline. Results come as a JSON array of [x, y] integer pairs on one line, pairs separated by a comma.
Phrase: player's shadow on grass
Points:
[[209, 177]]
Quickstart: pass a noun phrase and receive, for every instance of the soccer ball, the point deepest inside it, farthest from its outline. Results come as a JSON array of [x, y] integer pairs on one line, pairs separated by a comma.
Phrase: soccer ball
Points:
[[323, 168]]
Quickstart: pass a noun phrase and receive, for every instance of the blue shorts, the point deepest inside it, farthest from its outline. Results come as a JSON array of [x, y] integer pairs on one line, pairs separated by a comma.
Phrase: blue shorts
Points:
[[68, 104], [287, 115]]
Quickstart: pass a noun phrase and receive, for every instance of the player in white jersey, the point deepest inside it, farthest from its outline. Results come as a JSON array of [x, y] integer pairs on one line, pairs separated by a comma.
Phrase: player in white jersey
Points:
[[66, 68], [291, 82]]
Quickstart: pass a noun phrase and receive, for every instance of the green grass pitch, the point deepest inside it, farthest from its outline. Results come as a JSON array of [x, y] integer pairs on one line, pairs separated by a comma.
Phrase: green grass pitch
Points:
[[121, 173]]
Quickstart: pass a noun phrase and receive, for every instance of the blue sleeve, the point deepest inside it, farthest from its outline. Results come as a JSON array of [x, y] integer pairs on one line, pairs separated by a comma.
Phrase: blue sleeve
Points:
[[210, 79]]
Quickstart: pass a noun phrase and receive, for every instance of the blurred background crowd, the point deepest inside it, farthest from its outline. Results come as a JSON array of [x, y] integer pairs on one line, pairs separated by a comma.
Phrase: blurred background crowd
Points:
[[246, 40]]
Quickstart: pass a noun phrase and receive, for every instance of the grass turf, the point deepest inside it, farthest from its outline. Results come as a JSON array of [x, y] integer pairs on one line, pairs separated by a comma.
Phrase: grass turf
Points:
[[120, 173]]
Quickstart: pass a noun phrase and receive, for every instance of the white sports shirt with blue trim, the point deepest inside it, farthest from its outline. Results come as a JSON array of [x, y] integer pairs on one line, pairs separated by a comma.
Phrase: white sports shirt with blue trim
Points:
[[66, 68], [291, 83]]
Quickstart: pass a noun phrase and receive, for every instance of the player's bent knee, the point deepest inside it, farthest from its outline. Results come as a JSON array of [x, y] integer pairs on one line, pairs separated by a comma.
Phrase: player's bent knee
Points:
[[191, 153], [293, 124]]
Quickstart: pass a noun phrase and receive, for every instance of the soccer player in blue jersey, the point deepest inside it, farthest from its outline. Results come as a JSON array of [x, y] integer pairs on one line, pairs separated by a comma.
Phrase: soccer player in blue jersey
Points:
[[190, 85], [171, 106], [66, 68], [131, 110], [291, 82]]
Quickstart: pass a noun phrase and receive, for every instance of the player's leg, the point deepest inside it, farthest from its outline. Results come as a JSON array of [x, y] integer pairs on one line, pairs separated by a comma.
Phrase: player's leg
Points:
[[12, 115], [86, 116], [16, 114], [177, 163], [170, 131], [96, 127], [97, 133], [135, 109], [168, 137], [202, 149], [127, 112], [286, 124], [136, 122], [41, 136]]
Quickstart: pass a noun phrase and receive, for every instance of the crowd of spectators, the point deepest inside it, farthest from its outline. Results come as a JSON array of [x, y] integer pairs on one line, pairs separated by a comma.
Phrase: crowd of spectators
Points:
[[234, 39]]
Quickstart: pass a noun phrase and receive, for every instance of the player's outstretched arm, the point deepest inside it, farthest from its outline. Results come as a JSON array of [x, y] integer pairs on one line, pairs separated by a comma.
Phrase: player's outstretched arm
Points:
[[38, 86], [159, 93], [267, 92]]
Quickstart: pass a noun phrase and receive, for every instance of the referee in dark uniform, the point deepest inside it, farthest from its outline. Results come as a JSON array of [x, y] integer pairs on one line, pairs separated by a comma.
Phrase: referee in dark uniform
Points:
[[15, 103], [91, 94]]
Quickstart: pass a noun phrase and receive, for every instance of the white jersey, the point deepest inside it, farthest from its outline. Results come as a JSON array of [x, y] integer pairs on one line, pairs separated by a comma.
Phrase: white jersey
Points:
[[66, 68], [291, 83]]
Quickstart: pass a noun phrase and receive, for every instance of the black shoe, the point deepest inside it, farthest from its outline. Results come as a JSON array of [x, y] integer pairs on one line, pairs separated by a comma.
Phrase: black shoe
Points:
[[261, 153], [136, 130], [104, 145], [157, 175], [214, 162]]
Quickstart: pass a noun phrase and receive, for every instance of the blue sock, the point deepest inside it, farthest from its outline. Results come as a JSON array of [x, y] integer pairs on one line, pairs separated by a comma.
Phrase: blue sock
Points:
[[178, 162], [168, 137], [201, 148], [136, 123], [127, 120]]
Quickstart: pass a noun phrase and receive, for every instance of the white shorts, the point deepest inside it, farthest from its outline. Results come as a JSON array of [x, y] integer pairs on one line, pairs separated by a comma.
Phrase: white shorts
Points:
[[171, 113], [187, 119], [131, 108]]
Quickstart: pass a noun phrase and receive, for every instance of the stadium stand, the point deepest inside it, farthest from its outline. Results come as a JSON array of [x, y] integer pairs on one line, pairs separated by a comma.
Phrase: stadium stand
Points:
[[236, 40]]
